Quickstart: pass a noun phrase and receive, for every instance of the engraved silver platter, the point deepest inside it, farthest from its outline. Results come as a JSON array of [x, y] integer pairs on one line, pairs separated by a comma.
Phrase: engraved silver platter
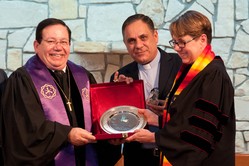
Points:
[[122, 119]]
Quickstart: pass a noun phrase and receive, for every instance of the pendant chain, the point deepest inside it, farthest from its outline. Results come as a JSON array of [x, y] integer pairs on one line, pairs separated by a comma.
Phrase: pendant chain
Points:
[[69, 103]]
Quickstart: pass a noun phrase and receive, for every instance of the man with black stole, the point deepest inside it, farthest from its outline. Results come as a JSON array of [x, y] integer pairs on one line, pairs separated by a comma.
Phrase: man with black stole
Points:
[[152, 65]]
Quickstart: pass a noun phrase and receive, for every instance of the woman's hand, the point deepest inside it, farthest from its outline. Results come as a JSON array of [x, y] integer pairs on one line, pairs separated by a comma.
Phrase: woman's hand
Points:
[[142, 136]]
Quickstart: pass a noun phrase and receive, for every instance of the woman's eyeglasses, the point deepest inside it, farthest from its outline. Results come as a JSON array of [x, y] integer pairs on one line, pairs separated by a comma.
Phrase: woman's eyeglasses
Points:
[[180, 44]]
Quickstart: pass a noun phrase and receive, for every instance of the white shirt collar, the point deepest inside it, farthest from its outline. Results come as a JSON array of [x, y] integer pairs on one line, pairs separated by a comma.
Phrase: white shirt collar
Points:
[[64, 69], [152, 64]]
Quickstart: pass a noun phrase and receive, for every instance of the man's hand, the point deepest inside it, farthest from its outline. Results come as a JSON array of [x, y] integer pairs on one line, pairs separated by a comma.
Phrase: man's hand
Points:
[[78, 136], [122, 78], [157, 109]]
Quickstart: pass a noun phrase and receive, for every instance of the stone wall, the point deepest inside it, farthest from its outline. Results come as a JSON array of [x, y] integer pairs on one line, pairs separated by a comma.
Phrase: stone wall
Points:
[[97, 40]]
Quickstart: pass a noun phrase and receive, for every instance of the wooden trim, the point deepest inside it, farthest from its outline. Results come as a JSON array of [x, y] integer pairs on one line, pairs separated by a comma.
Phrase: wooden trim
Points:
[[241, 159]]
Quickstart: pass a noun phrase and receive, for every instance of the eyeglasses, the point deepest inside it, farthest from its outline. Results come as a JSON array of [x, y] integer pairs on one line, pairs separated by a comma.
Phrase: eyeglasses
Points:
[[180, 44], [52, 42]]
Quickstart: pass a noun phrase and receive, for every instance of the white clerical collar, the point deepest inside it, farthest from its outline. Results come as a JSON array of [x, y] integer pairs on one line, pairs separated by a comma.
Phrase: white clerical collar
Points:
[[146, 67], [152, 64], [64, 69]]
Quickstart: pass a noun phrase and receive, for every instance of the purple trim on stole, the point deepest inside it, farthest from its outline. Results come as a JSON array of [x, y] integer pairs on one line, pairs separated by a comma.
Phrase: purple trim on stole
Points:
[[84, 87], [54, 108]]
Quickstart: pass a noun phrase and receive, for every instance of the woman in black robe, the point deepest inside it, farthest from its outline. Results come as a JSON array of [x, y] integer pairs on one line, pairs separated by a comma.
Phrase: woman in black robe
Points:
[[198, 127]]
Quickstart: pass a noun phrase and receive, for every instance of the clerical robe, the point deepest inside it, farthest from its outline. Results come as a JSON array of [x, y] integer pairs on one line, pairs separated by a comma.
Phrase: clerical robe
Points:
[[201, 129], [29, 136]]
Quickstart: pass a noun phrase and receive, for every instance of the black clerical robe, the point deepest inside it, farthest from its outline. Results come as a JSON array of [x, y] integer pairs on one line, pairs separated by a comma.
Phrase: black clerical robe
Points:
[[201, 129], [134, 152], [28, 137]]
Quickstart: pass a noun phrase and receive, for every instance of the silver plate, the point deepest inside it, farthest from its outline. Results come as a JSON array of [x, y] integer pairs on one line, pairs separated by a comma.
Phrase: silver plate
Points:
[[122, 119]]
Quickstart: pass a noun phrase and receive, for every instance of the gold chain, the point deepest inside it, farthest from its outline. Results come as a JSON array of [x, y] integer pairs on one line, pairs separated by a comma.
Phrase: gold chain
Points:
[[69, 103]]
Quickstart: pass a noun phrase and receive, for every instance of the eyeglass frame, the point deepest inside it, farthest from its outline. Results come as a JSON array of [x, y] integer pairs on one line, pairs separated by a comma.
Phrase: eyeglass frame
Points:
[[52, 42], [173, 43]]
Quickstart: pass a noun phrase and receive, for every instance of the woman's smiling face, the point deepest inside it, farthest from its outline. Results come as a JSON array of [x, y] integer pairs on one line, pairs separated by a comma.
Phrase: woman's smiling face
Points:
[[193, 47]]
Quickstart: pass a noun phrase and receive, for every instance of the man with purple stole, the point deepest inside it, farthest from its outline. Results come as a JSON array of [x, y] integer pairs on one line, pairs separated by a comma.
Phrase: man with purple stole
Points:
[[46, 111]]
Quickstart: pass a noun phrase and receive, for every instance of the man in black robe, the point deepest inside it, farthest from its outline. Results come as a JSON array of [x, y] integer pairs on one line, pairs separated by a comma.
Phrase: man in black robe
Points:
[[3, 77], [156, 68], [46, 118]]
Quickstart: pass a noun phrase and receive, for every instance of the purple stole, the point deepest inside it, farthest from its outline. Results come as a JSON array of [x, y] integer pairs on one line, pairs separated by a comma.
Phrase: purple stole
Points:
[[54, 108]]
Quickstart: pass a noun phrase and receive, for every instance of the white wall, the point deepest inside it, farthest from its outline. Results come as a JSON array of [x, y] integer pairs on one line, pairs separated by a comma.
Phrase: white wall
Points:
[[97, 40]]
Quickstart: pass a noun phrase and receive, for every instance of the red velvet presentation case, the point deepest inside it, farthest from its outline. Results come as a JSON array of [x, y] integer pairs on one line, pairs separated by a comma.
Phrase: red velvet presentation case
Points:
[[104, 96]]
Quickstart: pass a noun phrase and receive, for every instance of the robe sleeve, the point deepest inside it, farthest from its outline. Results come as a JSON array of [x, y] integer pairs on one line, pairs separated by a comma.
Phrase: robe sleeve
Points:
[[27, 135]]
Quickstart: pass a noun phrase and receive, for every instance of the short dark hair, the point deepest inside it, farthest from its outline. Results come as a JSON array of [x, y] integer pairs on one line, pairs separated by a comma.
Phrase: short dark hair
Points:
[[147, 20], [47, 22]]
